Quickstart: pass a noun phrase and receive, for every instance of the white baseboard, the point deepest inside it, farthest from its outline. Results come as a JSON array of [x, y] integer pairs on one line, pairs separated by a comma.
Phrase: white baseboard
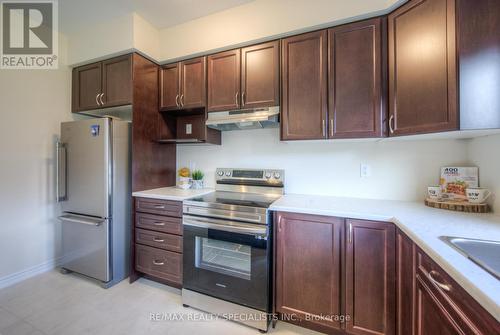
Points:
[[17, 277]]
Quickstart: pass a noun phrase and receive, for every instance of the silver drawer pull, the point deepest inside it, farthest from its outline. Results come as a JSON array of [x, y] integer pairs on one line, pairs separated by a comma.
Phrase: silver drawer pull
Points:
[[156, 239], [158, 223], [158, 263], [445, 287], [159, 206]]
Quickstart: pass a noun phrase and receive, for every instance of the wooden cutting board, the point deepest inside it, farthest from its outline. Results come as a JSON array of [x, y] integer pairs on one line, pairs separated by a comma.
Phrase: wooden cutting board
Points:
[[459, 206]]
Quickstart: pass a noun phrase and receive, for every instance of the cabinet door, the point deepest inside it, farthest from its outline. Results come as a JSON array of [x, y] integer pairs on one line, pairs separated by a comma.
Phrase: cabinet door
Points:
[[356, 95], [260, 75], [443, 305], [224, 81], [86, 87], [370, 277], [169, 87], [304, 85], [117, 81], [308, 266], [422, 68], [193, 93], [405, 279]]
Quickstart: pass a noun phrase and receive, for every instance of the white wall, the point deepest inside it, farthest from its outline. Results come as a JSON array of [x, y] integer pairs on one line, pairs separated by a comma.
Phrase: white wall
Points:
[[98, 40], [251, 22], [32, 105], [485, 153], [261, 19], [401, 170]]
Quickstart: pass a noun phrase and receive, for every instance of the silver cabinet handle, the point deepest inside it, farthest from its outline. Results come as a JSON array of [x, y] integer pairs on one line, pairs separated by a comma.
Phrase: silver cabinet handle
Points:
[[159, 240], [97, 99], [158, 263], [391, 120], [243, 99], [331, 127], [324, 127], [61, 165], [445, 287], [100, 98], [177, 100], [350, 232], [236, 99], [158, 223], [182, 100], [159, 206]]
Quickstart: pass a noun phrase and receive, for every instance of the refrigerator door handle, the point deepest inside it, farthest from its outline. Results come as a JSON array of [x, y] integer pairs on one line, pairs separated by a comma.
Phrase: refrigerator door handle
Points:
[[80, 219], [61, 184]]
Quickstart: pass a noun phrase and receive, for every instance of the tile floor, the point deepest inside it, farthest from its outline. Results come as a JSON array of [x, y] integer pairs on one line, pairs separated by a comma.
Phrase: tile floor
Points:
[[53, 304]]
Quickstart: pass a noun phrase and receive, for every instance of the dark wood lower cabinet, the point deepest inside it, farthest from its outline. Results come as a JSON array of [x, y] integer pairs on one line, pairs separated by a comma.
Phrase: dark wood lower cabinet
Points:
[[370, 277], [405, 284], [308, 267], [157, 241]]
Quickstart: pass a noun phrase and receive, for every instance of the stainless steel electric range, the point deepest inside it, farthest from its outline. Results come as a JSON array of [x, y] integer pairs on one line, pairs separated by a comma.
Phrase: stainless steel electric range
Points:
[[228, 246]]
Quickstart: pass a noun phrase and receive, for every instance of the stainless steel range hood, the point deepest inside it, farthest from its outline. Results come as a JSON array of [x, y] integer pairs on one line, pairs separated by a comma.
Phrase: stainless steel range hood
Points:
[[244, 119]]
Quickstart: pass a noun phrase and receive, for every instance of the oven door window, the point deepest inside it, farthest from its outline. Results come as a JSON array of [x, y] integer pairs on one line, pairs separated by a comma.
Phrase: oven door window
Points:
[[223, 257]]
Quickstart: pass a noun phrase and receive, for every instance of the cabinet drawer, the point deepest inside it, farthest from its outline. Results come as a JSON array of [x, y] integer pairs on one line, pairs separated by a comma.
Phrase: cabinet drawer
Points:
[[162, 224], [465, 312], [159, 263], [159, 240], [161, 207]]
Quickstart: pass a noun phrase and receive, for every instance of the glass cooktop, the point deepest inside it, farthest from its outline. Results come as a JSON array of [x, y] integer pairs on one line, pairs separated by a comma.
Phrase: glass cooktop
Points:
[[238, 199]]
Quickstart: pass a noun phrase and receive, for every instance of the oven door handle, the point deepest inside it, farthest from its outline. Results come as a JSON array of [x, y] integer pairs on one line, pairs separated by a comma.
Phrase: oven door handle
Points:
[[229, 226]]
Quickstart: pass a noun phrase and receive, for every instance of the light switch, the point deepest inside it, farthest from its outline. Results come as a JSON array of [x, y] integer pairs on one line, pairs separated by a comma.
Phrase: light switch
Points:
[[189, 128]]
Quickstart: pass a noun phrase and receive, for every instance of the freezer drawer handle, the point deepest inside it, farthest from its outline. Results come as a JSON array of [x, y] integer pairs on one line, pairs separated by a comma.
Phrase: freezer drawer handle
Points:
[[69, 218], [158, 263]]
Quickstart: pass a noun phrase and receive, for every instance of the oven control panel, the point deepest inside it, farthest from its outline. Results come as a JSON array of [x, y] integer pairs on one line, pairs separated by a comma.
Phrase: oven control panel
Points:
[[266, 175]]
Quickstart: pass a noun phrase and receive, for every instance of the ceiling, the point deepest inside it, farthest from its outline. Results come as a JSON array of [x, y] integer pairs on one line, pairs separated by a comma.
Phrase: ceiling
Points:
[[76, 14]]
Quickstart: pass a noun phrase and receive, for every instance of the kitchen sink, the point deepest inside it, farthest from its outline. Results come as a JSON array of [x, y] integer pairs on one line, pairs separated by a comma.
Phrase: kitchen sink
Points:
[[484, 253]]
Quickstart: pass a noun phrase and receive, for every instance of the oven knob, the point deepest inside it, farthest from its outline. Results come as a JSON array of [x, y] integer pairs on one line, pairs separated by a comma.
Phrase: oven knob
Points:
[[277, 175], [220, 173], [228, 173], [268, 175]]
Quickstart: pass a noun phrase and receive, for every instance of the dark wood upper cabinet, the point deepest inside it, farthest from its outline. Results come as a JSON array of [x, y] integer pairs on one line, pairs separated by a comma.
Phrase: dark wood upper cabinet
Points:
[[370, 277], [183, 85], [87, 81], [117, 81], [422, 68], [260, 75], [479, 55], [224, 91], [170, 87], [308, 266], [193, 83], [357, 74], [103, 84], [304, 86]]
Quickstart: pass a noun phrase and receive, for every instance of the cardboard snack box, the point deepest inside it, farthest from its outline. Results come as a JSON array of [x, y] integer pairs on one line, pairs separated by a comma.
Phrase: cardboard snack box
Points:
[[455, 180]]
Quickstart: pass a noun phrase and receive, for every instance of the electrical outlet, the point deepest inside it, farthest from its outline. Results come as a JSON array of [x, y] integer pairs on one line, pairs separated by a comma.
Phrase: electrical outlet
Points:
[[365, 171]]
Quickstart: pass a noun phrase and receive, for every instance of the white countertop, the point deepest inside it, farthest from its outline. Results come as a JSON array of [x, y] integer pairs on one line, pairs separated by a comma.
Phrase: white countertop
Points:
[[172, 193], [424, 225]]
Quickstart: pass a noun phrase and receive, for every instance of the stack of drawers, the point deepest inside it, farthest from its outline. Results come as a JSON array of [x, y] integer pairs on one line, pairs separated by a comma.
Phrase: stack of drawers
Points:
[[158, 239]]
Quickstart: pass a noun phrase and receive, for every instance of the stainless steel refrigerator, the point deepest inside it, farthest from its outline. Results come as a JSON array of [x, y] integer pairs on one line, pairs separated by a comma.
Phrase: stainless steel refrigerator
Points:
[[93, 186]]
